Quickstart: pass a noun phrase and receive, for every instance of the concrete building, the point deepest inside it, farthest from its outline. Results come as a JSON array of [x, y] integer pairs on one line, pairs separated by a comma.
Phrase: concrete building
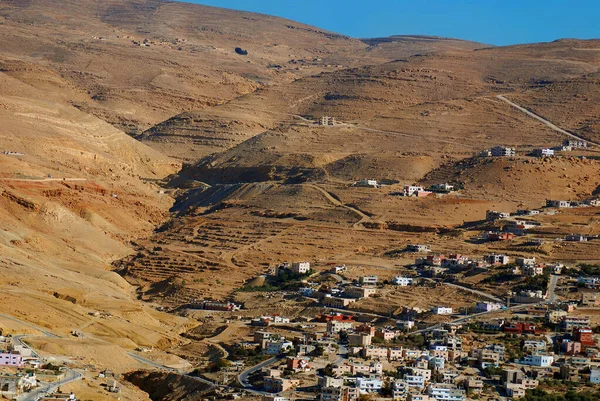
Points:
[[11, 358], [523, 261], [542, 361], [402, 281], [368, 280], [335, 326], [491, 215], [327, 121], [487, 306], [359, 292], [442, 310], [558, 203], [278, 347], [496, 259], [568, 323], [368, 385], [335, 302], [501, 151], [399, 390], [543, 152], [445, 392], [300, 267], [414, 190], [359, 339], [575, 143], [342, 393], [576, 238], [418, 248]]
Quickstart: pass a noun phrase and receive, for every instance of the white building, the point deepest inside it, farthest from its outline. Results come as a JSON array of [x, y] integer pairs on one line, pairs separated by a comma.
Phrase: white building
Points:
[[442, 310], [595, 376], [335, 326], [368, 280], [405, 324], [544, 152], [500, 151], [399, 390], [542, 361], [558, 203], [521, 261], [445, 392], [300, 267], [495, 259], [415, 381], [412, 190], [278, 347], [402, 281], [487, 306], [367, 385]]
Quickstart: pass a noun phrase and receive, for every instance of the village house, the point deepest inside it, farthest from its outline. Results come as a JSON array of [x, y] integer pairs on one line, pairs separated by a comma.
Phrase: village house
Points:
[[442, 310], [487, 306], [335, 302], [558, 203], [11, 358], [402, 281], [368, 280], [418, 248], [278, 384], [496, 259], [359, 339], [568, 323], [590, 299], [569, 347], [414, 190], [327, 121], [335, 326], [501, 151], [366, 183], [444, 188], [359, 292], [575, 143], [300, 267], [533, 270], [492, 215], [298, 364], [523, 261], [542, 361], [342, 393], [499, 236], [576, 238], [445, 392], [543, 152], [584, 335]]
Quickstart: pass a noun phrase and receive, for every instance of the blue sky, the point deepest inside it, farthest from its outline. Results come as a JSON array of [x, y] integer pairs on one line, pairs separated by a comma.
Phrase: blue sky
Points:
[[488, 21]]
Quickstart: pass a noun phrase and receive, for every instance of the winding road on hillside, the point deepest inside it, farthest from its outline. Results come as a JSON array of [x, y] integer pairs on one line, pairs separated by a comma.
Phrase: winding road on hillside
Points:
[[332, 199], [546, 122]]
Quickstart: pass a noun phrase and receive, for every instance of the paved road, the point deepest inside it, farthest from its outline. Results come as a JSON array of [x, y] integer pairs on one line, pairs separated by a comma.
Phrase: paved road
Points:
[[544, 121], [243, 377], [44, 388], [48, 388], [153, 364], [43, 330]]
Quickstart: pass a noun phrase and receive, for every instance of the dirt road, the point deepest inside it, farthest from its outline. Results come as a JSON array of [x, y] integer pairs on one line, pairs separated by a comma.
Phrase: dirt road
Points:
[[333, 200], [544, 121]]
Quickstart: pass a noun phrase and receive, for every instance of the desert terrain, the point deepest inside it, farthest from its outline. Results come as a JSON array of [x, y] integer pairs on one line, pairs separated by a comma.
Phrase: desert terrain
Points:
[[146, 166]]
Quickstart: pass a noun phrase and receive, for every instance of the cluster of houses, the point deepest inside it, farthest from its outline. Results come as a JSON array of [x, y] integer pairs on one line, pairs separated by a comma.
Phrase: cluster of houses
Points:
[[567, 146], [16, 361]]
